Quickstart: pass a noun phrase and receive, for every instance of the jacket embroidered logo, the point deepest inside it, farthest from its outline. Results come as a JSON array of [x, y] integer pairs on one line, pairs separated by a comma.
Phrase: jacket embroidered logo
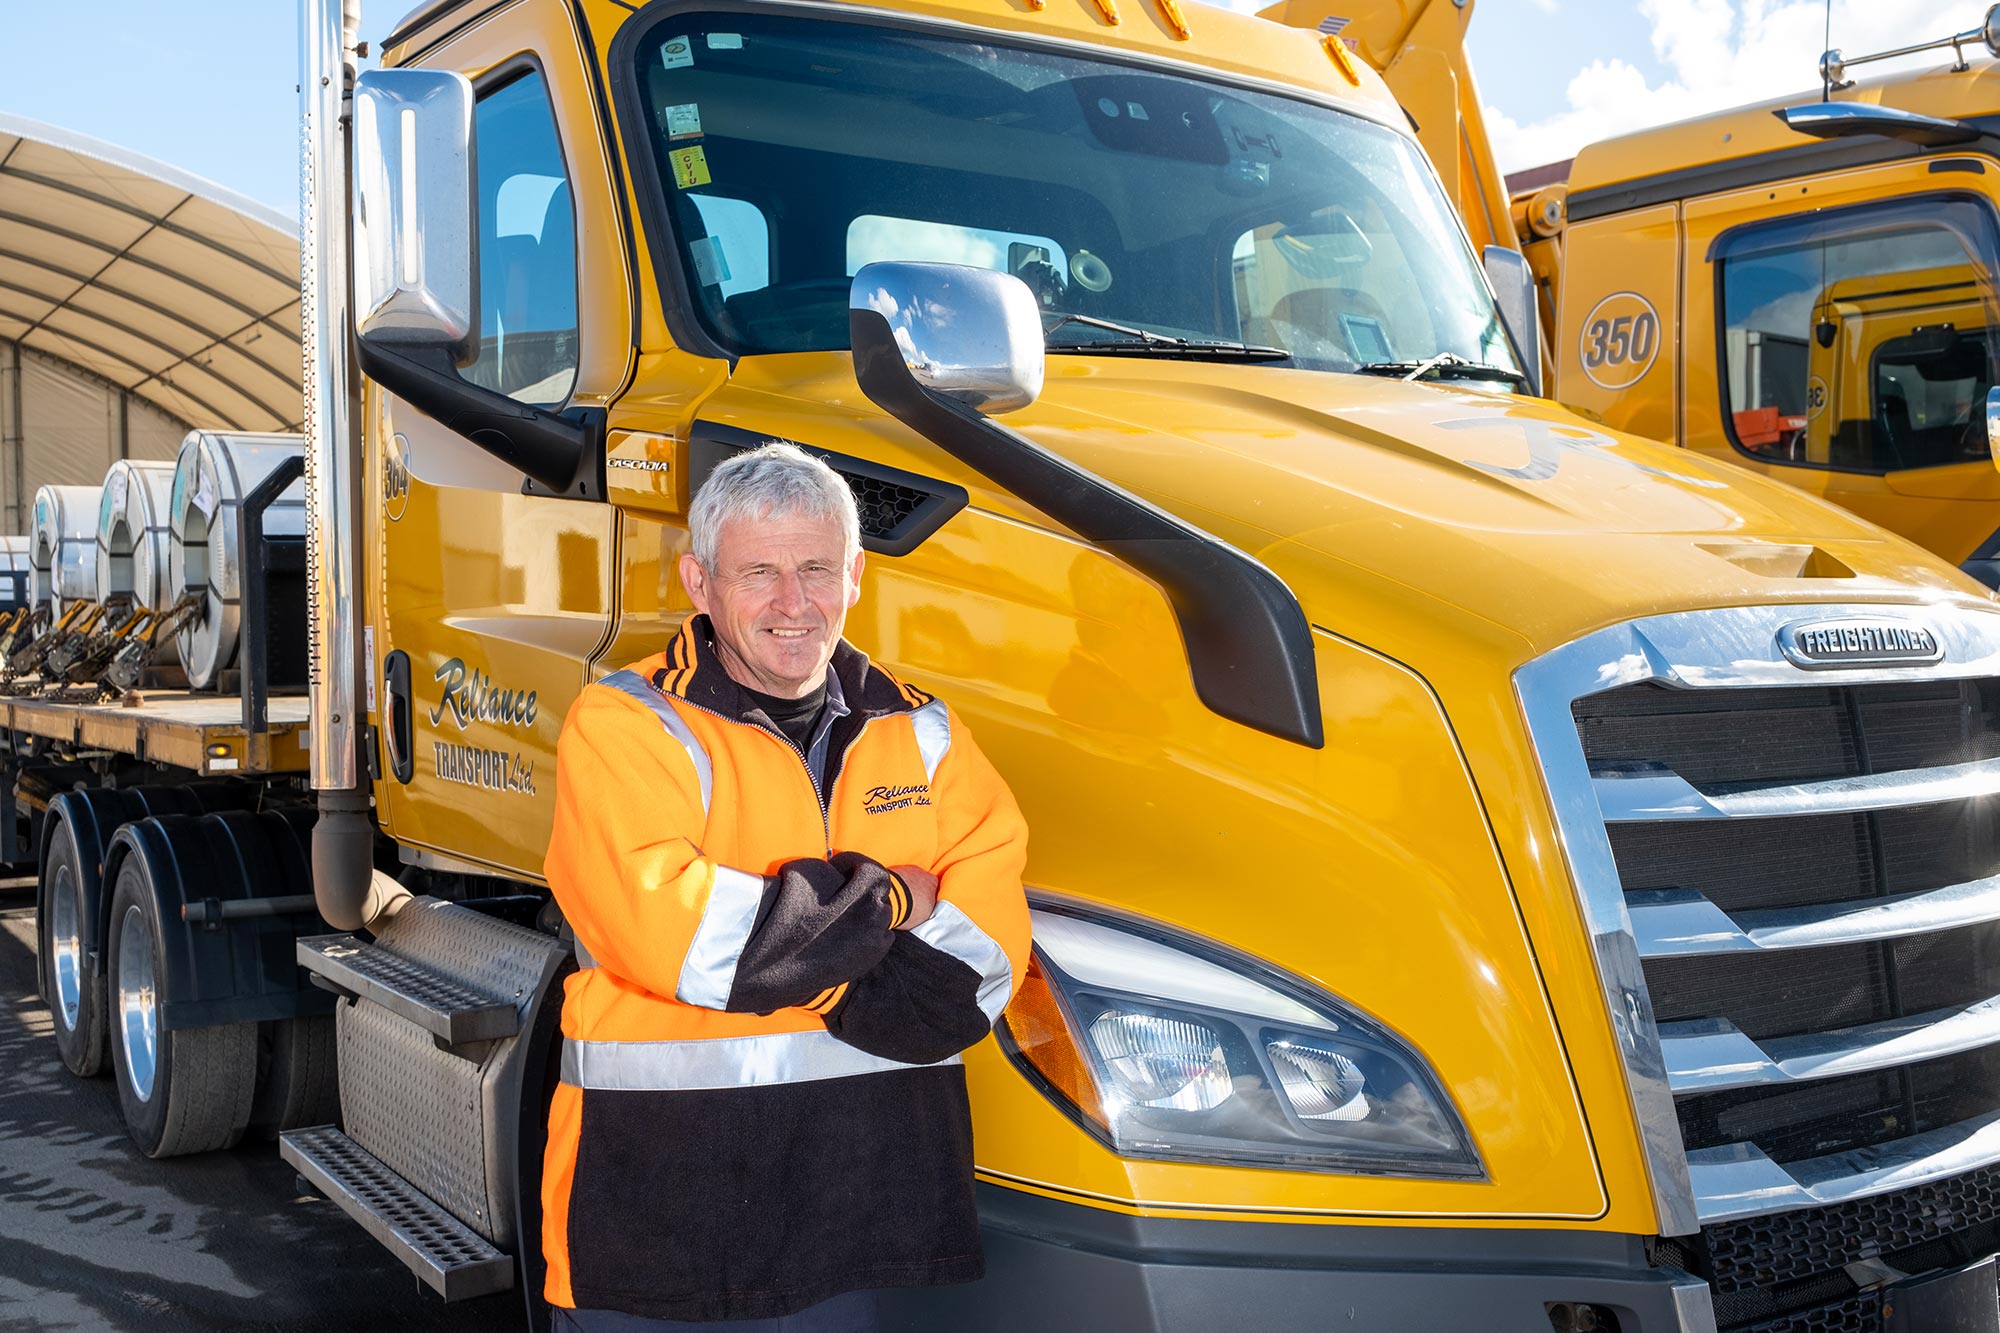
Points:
[[881, 800]]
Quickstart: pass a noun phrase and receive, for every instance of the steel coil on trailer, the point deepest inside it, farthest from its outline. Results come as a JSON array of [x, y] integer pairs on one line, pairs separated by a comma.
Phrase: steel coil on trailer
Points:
[[16, 572], [212, 1032], [63, 546], [211, 478], [132, 532]]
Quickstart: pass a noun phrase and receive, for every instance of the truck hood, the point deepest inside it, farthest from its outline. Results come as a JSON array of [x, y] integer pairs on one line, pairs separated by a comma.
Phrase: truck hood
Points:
[[1371, 493], [1386, 505]]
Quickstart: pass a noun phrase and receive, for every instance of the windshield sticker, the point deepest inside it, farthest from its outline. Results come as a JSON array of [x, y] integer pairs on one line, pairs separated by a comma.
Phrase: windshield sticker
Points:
[[683, 121], [678, 51], [690, 167], [725, 41], [710, 264]]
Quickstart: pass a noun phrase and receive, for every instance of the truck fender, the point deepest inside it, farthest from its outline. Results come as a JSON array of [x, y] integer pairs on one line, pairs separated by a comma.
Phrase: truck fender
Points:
[[93, 815], [234, 971]]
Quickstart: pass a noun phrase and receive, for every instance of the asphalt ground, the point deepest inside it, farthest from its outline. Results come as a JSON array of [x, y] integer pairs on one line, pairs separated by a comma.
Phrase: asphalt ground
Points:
[[93, 1235]]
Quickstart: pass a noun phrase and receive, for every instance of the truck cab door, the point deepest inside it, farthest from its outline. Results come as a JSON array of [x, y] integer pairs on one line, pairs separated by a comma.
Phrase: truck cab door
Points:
[[1842, 335], [489, 601]]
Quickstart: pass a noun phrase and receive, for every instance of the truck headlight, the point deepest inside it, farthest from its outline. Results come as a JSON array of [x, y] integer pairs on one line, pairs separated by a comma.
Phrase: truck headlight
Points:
[[1168, 1047]]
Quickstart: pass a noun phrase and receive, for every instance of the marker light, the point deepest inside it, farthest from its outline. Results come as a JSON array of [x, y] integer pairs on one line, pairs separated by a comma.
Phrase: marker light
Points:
[[1166, 1046], [1342, 58]]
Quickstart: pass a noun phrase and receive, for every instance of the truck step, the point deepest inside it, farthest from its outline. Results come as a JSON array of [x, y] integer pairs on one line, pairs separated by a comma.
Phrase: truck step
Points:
[[450, 1258], [453, 1013]]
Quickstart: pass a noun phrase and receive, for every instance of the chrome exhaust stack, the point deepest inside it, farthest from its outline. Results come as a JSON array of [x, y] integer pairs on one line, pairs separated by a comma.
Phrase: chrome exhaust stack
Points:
[[343, 839]]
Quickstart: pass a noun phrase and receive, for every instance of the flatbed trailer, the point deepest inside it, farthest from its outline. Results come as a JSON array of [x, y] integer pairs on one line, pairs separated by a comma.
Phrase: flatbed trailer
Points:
[[203, 734]]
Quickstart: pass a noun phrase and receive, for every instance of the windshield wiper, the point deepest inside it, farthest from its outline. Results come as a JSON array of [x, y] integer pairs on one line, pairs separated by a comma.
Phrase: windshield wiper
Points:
[[1444, 363], [1144, 342]]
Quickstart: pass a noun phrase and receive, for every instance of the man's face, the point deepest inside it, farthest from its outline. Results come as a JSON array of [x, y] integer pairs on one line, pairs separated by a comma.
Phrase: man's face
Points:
[[778, 596]]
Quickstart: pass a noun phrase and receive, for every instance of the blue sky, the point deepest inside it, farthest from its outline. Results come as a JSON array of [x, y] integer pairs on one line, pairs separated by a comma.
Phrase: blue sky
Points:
[[209, 86]]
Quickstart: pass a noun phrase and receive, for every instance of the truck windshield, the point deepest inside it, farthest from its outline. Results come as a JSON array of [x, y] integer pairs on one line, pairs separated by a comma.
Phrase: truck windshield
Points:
[[793, 151]]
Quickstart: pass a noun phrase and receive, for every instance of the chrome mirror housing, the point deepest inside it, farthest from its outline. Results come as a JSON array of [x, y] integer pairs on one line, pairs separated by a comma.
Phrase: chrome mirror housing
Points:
[[414, 239], [969, 334], [1513, 282], [1993, 423]]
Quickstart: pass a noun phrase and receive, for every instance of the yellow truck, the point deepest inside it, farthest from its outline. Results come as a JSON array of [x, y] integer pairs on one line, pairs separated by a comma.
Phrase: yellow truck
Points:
[[1689, 274], [1490, 871]]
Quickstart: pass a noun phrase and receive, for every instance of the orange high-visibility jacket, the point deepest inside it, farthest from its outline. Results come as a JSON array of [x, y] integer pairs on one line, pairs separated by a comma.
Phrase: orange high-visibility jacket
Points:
[[762, 1104]]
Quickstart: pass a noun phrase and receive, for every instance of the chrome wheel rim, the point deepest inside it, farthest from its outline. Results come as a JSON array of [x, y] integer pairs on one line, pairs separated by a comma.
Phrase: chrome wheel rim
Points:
[[66, 946], [138, 1009]]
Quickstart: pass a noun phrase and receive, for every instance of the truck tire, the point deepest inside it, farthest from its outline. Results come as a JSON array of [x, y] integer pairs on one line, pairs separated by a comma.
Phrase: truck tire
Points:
[[75, 986], [298, 1079], [184, 1090]]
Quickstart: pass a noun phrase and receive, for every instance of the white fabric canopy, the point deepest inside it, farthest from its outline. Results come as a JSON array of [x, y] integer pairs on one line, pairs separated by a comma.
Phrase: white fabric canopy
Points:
[[168, 286]]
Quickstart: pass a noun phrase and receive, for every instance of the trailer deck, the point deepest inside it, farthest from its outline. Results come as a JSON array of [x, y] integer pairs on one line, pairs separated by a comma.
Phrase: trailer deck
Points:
[[200, 732]]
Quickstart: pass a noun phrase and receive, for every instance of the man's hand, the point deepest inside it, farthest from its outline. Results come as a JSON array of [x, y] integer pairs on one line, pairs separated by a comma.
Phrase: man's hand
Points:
[[923, 886]]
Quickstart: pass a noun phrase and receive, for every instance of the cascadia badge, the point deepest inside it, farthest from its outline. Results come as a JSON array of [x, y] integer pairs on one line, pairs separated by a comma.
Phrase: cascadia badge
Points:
[[1823, 645]]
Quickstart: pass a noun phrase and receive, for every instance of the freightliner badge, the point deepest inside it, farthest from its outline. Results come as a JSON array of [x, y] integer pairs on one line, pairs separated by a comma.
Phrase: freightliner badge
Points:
[[1824, 645]]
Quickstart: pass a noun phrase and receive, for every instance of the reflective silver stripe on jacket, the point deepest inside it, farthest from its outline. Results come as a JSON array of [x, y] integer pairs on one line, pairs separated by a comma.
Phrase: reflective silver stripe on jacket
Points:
[[636, 685], [951, 930], [709, 972], [720, 1062], [933, 727]]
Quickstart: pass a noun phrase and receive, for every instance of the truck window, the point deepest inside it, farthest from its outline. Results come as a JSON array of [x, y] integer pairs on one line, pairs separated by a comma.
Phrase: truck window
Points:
[[1115, 191], [527, 248], [1862, 340]]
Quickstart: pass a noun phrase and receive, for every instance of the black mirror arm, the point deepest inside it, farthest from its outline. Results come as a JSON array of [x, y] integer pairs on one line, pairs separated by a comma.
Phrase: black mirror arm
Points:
[[562, 455], [1249, 646]]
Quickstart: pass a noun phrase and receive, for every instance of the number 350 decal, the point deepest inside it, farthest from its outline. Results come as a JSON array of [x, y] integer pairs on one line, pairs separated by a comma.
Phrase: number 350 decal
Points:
[[1620, 338]]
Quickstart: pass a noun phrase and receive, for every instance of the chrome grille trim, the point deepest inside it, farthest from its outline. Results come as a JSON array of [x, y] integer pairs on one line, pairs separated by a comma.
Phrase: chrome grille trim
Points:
[[1739, 1181], [1631, 795], [1734, 647], [1679, 923], [1713, 1055]]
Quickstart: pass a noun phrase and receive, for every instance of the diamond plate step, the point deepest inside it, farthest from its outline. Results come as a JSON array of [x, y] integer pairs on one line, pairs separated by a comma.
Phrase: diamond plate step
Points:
[[453, 1013], [450, 1258]]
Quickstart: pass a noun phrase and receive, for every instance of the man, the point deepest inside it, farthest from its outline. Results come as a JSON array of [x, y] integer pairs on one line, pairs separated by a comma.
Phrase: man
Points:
[[796, 890]]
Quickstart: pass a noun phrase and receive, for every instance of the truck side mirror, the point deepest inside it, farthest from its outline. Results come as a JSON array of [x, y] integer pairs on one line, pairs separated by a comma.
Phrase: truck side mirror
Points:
[[939, 346], [1993, 423], [414, 232], [970, 334], [1514, 292], [416, 289]]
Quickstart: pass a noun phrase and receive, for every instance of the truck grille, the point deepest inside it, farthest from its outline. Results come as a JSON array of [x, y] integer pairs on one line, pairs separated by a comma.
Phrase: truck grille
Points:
[[1812, 874]]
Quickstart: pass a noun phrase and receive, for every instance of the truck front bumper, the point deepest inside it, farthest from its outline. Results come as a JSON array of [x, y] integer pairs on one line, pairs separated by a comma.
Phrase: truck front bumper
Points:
[[1054, 1267]]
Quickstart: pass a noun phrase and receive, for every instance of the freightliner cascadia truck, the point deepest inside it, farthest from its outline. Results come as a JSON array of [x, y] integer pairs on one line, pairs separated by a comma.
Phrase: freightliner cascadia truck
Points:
[[1489, 872]]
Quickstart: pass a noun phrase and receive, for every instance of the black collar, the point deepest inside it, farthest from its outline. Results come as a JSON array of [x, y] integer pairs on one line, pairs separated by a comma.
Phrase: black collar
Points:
[[694, 672]]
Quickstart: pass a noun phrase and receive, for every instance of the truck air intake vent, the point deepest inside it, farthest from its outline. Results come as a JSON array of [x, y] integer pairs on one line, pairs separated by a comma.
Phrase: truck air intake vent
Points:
[[899, 509]]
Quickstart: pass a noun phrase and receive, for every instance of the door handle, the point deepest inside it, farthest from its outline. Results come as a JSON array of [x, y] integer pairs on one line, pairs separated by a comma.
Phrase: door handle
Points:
[[402, 759]]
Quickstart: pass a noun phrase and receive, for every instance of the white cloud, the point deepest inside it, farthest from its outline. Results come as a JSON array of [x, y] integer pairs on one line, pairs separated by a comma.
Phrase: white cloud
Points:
[[1719, 54]]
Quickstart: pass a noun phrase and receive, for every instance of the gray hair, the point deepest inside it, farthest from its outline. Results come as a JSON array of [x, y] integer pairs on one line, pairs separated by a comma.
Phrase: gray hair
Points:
[[776, 480]]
